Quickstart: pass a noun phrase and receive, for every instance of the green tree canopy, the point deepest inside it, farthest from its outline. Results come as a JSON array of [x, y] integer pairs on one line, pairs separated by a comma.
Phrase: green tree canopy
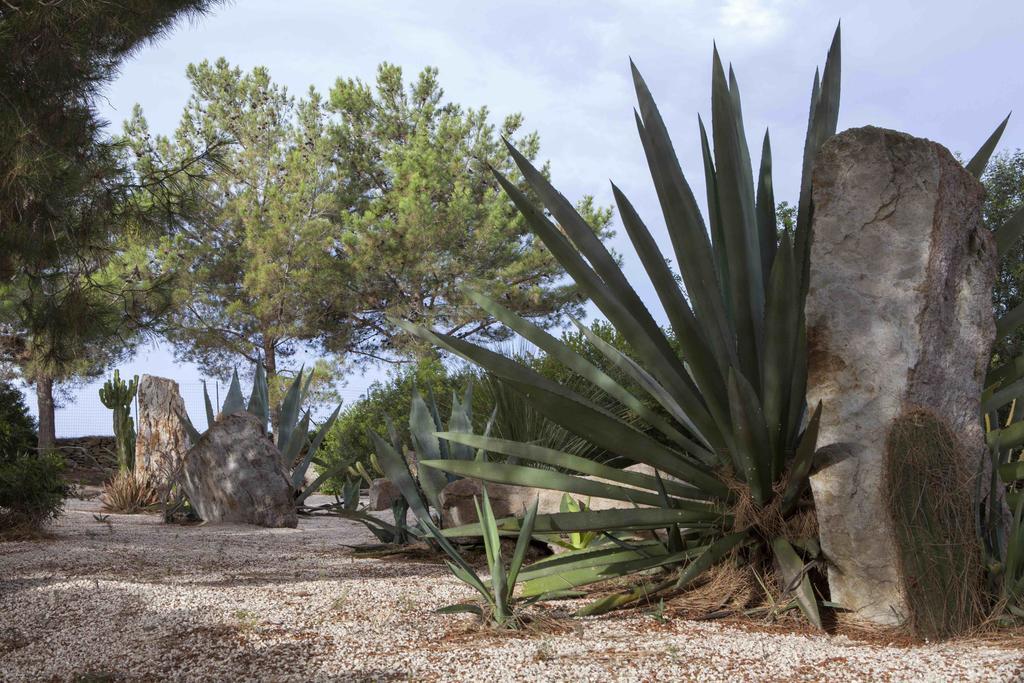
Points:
[[325, 217], [72, 290]]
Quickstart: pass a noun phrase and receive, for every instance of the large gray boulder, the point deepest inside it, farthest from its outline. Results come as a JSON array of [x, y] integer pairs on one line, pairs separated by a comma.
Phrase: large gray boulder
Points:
[[161, 440], [898, 317], [235, 474]]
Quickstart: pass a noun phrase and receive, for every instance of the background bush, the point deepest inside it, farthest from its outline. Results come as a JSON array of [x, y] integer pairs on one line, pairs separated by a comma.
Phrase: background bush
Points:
[[32, 492], [17, 426], [348, 441]]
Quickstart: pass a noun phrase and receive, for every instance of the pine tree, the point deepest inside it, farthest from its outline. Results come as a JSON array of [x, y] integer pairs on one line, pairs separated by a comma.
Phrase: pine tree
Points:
[[69, 290]]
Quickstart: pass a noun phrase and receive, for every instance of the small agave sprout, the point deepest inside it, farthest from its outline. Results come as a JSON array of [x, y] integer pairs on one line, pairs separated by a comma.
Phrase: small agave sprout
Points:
[[500, 608]]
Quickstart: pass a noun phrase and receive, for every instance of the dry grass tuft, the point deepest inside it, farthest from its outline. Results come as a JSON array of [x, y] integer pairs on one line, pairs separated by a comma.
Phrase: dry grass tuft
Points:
[[129, 492], [728, 586]]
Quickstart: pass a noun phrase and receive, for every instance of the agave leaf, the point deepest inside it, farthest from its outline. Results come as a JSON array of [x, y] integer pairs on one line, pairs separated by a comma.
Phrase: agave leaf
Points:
[[823, 119], [315, 485], [767, 229], [306, 385], [300, 472], [438, 425], [591, 557], [675, 538], [643, 379], [976, 166], [1012, 471], [580, 416], [993, 399], [492, 546], [424, 443], [644, 591], [393, 435], [461, 421], [293, 446], [518, 475], [1015, 549], [798, 390], [801, 464], [567, 461], [739, 225], [750, 433], [614, 520], [288, 415], [650, 350], [522, 546], [397, 470], [210, 416], [792, 569], [193, 433], [470, 577], [715, 223], [259, 399], [1006, 373], [481, 454], [565, 355], [233, 402], [712, 556], [705, 361], [1006, 438], [461, 608], [587, 242], [615, 566], [682, 218], [782, 319], [1009, 232]]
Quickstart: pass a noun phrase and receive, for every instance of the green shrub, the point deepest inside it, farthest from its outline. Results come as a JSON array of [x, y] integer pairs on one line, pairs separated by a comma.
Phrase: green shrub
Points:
[[348, 441], [32, 492], [17, 426]]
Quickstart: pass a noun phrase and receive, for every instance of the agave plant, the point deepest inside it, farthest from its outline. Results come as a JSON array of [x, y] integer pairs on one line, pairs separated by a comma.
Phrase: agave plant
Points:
[[420, 487], [500, 607], [292, 434], [1002, 407], [729, 438], [733, 441]]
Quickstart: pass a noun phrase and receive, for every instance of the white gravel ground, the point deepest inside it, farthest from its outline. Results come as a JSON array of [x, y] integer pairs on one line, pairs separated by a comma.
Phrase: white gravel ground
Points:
[[134, 599]]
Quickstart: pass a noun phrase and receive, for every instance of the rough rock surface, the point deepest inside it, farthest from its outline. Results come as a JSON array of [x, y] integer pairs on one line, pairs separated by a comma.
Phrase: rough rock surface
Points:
[[898, 316], [161, 441], [382, 494], [457, 506], [234, 474]]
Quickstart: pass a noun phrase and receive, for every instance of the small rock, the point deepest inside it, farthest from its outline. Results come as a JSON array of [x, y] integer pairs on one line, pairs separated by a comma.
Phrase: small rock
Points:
[[383, 493]]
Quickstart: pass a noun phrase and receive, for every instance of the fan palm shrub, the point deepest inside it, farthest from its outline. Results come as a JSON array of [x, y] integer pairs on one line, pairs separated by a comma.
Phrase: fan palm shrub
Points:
[[734, 439]]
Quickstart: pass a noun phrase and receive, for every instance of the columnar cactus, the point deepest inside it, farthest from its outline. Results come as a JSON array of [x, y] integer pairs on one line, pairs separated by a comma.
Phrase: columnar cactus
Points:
[[117, 395]]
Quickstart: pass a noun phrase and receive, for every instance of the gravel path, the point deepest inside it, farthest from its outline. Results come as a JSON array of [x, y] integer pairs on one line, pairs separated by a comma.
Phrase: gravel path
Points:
[[134, 599]]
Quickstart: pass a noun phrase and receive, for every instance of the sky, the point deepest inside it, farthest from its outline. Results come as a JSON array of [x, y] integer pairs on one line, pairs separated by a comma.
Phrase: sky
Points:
[[943, 70]]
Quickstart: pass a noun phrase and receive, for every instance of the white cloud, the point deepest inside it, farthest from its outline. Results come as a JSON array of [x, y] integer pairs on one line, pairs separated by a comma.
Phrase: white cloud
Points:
[[758, 20]]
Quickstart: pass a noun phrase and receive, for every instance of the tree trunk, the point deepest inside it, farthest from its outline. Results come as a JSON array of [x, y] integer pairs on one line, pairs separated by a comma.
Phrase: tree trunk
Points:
[[270, 364], [47, 426]]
